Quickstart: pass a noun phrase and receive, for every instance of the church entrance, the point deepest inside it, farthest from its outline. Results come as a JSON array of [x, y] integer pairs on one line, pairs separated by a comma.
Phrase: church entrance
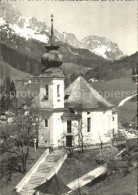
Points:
[[69, 140]]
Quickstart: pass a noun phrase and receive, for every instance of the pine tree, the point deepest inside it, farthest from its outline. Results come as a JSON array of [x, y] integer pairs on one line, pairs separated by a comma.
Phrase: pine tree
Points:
[[7, 83], [133, 73], [1, 99], [3, 104], [13, 102], [137, 69], [12, 88]]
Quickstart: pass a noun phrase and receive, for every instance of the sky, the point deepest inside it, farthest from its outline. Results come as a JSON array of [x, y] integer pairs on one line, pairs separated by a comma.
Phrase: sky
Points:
[[115, 20]]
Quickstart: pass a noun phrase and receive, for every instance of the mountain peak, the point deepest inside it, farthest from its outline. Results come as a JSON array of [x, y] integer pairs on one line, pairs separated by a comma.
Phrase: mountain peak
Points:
[[9, 12], [32, 28], [103, 47]]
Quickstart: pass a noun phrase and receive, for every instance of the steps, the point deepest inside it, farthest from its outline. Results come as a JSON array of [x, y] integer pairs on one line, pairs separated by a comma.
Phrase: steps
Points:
[[45, 170]]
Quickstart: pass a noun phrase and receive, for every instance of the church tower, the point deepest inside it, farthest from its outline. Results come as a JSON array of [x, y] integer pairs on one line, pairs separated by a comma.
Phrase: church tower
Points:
[[51, 95]]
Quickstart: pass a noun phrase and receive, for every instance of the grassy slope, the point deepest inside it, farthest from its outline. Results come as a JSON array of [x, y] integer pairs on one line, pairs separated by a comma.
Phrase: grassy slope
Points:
[[125, 87], [127, 113], [115, 186], [81, 164], [74, 168], [5, 69]]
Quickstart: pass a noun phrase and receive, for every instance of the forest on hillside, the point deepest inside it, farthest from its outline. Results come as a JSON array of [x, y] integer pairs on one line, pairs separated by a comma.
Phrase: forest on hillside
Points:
[[26, 56]]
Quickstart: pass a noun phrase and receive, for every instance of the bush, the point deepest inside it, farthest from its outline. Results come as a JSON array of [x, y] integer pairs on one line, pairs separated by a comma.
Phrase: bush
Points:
[[106, 154], [132, 144]]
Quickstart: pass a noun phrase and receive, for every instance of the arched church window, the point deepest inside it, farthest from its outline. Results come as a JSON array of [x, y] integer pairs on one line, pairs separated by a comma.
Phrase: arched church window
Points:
[[46, 122], [46, 92], [69, 126], [88, 124], [58, 90]]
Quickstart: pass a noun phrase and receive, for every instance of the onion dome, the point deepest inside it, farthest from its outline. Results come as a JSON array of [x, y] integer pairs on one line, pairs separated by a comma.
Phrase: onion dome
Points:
[[52, 58]]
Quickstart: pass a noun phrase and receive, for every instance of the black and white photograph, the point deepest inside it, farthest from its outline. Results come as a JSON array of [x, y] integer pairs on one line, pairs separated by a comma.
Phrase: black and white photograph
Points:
[[68, 97]]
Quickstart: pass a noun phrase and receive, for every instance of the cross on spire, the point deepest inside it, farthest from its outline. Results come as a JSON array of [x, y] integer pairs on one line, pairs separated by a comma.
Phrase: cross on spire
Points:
[[52, 31]]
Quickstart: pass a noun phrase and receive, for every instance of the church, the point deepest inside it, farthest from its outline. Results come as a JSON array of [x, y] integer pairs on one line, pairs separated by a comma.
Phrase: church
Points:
[[68, 116]]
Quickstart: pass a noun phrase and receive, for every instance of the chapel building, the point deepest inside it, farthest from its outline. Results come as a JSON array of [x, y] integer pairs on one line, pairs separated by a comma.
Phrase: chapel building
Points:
[[66, 114]]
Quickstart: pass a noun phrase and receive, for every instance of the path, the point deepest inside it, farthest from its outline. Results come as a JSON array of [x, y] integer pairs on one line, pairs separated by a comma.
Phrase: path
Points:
[[49, 166], [87, 178], [125, 100]]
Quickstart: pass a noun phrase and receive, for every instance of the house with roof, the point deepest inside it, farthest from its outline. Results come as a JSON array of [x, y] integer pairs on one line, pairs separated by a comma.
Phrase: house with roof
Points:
[[64, 114]]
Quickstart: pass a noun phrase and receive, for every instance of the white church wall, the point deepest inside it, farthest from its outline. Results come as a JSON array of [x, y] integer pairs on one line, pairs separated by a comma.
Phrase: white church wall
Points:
[[51, 135], [57, 134], [101, 124], [43, 103], [44, 132], [54, 100], [58, 99]]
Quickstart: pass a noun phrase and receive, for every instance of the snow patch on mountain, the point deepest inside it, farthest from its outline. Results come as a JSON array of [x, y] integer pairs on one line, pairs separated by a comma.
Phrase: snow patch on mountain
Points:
[[101, 50], [2, 21], [26, 31], [29, 33]]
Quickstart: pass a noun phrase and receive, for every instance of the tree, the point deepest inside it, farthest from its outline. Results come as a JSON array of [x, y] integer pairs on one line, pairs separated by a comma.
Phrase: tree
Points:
[[2, 99], [83, 136], [137, 69], [12, 88], [13, 98], [133, 74], [3, 104], [109, 136], [6, 90], [100, 139], [16, 139]]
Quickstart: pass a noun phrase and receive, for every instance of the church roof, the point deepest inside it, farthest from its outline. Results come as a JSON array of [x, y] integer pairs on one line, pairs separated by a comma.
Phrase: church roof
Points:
[[52, 72], [70, 115], [55, 185], [81, 95]]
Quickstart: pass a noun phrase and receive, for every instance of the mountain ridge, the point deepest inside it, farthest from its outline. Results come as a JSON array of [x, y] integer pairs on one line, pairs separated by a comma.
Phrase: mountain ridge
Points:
[[33, 28], [24, 52]]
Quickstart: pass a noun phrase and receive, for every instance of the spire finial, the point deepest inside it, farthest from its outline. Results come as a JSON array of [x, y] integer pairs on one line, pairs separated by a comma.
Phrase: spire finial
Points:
[[52, 32], [52, 58]]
